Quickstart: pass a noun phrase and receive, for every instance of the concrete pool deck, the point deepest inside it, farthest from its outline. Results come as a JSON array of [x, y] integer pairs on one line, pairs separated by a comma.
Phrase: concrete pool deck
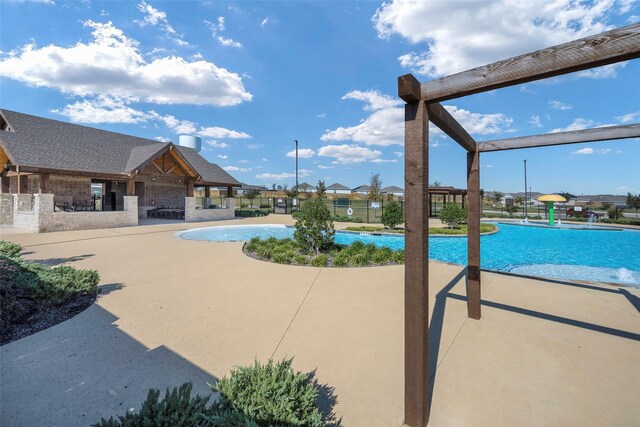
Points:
[[544, 352]]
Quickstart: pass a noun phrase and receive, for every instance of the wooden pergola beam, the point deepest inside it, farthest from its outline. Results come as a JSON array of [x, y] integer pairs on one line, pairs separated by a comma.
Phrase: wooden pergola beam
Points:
[[440, 117], [560, 138], [606, 48], [416, 269]]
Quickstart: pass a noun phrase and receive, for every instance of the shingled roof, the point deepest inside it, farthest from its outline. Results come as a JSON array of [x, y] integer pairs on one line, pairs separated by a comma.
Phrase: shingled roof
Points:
[[37, 142]]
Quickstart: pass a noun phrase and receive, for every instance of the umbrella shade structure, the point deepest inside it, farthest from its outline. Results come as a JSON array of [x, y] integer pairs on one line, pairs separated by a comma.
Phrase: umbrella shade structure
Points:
[[549, 200]]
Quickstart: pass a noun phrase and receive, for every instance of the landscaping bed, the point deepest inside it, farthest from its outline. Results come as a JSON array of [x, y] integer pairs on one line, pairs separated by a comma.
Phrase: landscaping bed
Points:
[[34, 297], [288, 251], [460, 230]]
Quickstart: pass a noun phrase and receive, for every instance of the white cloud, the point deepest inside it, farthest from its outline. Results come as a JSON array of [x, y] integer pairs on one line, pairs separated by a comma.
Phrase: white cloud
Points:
[[265, 160], [254, 146], [321, 116], [629, 118], [218, 132], [385, 125], [103, 109], [303, 153], [216, 144], [236, 169], [223, 156], [475, 33], [398, 153], [488, 166], [589, 150], [111, 65], [577, 124], [325, 167], [535, 121], [264, 22], [527, 89], [345, 154], [155, 17], [603, 72], [243, 161], [219, 27], [560, 105], [162, 138], [303, 173]]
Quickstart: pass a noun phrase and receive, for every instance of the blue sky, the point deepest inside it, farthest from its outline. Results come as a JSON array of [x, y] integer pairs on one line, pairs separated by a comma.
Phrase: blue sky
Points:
[[250, 77]]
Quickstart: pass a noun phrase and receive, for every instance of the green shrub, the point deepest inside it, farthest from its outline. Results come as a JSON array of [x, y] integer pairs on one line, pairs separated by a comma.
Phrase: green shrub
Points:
[[398, 257], [53, 285], [346, 218], [452, 215], [392, 214], [176, 409], [10, 249], [383, 256], [300, 260], [320, 261], [268, 395], [341, 260], [314, 229]]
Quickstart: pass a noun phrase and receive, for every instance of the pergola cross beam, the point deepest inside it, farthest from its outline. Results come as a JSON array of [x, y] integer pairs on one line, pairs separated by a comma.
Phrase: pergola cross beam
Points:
[[440, 117], [606, 48], [560, 138]]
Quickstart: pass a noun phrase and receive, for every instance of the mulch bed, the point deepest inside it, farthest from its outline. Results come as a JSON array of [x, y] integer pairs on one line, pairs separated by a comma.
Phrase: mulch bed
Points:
[[21, 316]]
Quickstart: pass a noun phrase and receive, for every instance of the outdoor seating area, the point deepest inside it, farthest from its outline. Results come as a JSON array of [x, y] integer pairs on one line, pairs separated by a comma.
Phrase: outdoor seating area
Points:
[[166, 213]]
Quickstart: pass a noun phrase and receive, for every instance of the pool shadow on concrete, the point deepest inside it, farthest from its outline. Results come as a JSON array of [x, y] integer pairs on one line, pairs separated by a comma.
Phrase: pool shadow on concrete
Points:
[[436, 322]]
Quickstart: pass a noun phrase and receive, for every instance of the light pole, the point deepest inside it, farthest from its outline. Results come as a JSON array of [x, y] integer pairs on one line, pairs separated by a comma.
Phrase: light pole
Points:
[[525, 190], [296, 192]]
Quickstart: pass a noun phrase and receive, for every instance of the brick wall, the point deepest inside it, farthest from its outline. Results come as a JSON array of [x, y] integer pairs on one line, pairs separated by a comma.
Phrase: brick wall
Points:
[[167, 190]]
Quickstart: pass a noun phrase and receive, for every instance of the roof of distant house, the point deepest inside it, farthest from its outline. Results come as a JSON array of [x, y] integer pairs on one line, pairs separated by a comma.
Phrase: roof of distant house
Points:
[[245, 187], [46, 144], [361, 188], [306, 186], [392, 189], [337, 186]]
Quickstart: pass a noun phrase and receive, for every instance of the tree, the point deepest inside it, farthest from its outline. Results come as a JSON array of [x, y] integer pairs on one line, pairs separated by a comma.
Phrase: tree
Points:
[[518, 200], [633, 202], [566, 195], [511, 209], [251, 194], [314, 229], [436, 183], [392, 214], [375, 184], [273, 186], [321, 190], [452, 215], [614, 212], [497, 196]]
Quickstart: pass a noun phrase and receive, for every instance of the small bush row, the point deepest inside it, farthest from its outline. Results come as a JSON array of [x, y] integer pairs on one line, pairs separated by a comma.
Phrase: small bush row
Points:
[[358, 254], [250, 213], [262, 395]]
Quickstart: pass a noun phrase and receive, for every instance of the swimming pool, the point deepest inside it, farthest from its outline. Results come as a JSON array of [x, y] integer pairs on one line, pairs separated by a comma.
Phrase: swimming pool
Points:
[[558, 253]]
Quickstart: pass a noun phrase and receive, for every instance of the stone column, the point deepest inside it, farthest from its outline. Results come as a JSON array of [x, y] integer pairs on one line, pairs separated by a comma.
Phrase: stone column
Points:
[[6, 209], [231, 203], [189, 209], [43, 212], [131, 207]]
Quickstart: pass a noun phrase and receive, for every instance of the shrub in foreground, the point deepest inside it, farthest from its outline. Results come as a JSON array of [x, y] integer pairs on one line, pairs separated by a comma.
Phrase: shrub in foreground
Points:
[[10, 249], [272, 394], [314, 228], [176, 409], [392, 214]]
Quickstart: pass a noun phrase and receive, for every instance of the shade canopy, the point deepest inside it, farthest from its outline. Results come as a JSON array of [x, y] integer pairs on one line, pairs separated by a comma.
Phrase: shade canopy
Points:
[[551, 198]]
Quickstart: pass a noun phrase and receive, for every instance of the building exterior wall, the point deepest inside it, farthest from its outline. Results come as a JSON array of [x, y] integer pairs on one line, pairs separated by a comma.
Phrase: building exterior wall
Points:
[[165, 190], [6, 209], [78, 187], [191, 214], [35, 214]]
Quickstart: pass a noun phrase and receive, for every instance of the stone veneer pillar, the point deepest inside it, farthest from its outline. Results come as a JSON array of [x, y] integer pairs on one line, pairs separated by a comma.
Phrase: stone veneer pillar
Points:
[[231, 203], [189, 209], [6, 209], [131, 207]]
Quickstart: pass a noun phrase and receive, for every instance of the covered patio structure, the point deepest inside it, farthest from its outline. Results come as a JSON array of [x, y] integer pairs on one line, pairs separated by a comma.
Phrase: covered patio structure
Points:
[[60, 176], [423, 105]]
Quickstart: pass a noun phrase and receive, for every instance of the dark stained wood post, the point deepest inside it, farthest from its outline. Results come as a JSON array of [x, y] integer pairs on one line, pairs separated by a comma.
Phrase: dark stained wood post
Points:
[[23, 184], [190, 187], [229, 191], [207, 191], [473, 234], [416, 279], [44, 183], [131, 187], [5, 185]]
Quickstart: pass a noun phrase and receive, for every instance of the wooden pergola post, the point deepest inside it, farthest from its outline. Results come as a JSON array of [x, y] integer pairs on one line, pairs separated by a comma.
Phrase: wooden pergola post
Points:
[[473, 234], [207, 191], [44, 183], [229, 191], [190, 187], [131, 187], [5, 185], [416, 287]]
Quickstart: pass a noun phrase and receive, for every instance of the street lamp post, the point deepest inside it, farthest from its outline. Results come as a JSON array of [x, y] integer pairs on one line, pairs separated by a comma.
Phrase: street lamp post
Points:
[[526, 200], [296, 192]]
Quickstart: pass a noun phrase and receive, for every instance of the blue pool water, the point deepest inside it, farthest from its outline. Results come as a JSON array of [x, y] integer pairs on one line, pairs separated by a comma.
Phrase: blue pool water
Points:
[[560, 253]]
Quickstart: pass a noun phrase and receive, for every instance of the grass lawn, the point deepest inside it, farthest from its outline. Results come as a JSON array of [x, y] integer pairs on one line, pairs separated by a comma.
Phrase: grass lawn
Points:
[[457, 231]]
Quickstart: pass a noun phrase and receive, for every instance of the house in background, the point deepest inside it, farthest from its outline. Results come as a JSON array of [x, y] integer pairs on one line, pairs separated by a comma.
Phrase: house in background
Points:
[[62, 176], [244, 188], [337, 188], [361, 189], [392, 189], [306, 188]]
